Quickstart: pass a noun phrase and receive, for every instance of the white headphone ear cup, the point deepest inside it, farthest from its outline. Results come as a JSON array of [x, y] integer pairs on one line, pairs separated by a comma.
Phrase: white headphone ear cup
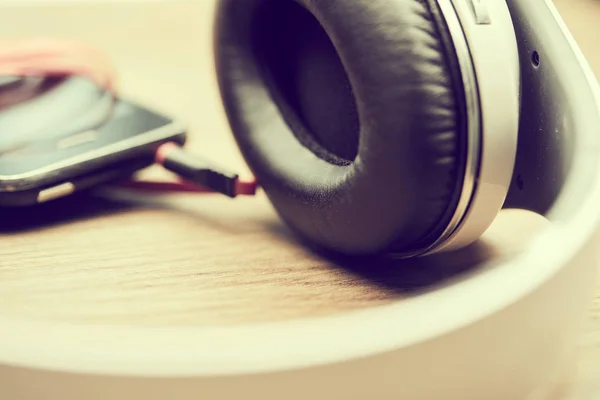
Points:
[[399, 192], [488, 50]]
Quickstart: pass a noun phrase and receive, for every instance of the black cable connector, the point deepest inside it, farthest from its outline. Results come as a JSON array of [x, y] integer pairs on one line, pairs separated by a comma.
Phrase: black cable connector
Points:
[[202, 172]]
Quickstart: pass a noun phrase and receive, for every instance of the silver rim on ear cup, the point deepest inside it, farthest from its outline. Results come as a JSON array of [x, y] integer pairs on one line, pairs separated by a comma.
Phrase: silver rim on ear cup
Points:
[[486, 46]]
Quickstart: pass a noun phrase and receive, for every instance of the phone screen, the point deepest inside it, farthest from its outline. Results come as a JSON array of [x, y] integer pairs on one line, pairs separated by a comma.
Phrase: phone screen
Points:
[[114, 134]]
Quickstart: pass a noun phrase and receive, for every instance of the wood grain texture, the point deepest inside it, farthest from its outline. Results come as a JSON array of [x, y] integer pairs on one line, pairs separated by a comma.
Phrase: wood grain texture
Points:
[[203, 261], [194, 260]]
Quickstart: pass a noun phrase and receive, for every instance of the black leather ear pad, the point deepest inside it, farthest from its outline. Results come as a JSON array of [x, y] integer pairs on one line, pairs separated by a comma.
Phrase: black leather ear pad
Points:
[[350, 114]]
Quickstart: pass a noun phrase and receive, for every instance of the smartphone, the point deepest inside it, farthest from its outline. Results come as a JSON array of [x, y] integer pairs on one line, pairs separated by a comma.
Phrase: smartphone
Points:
[[86, 137]]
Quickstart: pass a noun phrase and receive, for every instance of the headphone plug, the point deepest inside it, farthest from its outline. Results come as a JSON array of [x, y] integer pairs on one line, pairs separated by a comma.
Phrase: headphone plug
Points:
[[202, 172]]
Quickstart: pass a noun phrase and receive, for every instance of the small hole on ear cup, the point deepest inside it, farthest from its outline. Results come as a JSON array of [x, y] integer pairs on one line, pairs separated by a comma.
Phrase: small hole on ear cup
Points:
[[520, 182], [535, 59]]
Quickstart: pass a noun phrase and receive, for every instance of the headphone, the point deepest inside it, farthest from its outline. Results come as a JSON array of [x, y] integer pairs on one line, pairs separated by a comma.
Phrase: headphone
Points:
[[374, 126]]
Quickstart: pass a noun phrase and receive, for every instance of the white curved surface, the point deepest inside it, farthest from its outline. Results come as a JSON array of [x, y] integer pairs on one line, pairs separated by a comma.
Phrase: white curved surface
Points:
[[495, 56], [502, 334]]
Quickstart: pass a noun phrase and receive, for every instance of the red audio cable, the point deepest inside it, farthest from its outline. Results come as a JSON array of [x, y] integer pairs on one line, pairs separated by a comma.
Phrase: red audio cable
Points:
[[197, 175], [54, 57]]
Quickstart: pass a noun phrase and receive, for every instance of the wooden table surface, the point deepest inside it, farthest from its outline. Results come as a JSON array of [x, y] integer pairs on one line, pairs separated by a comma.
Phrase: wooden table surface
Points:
[[195, 260]]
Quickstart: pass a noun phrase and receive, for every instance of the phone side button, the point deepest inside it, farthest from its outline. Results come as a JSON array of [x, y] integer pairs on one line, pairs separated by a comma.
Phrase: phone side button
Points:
[[55, 192]]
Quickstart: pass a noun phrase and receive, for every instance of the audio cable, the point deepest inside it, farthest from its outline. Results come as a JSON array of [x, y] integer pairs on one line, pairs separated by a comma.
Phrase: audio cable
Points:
[[197, 175]]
